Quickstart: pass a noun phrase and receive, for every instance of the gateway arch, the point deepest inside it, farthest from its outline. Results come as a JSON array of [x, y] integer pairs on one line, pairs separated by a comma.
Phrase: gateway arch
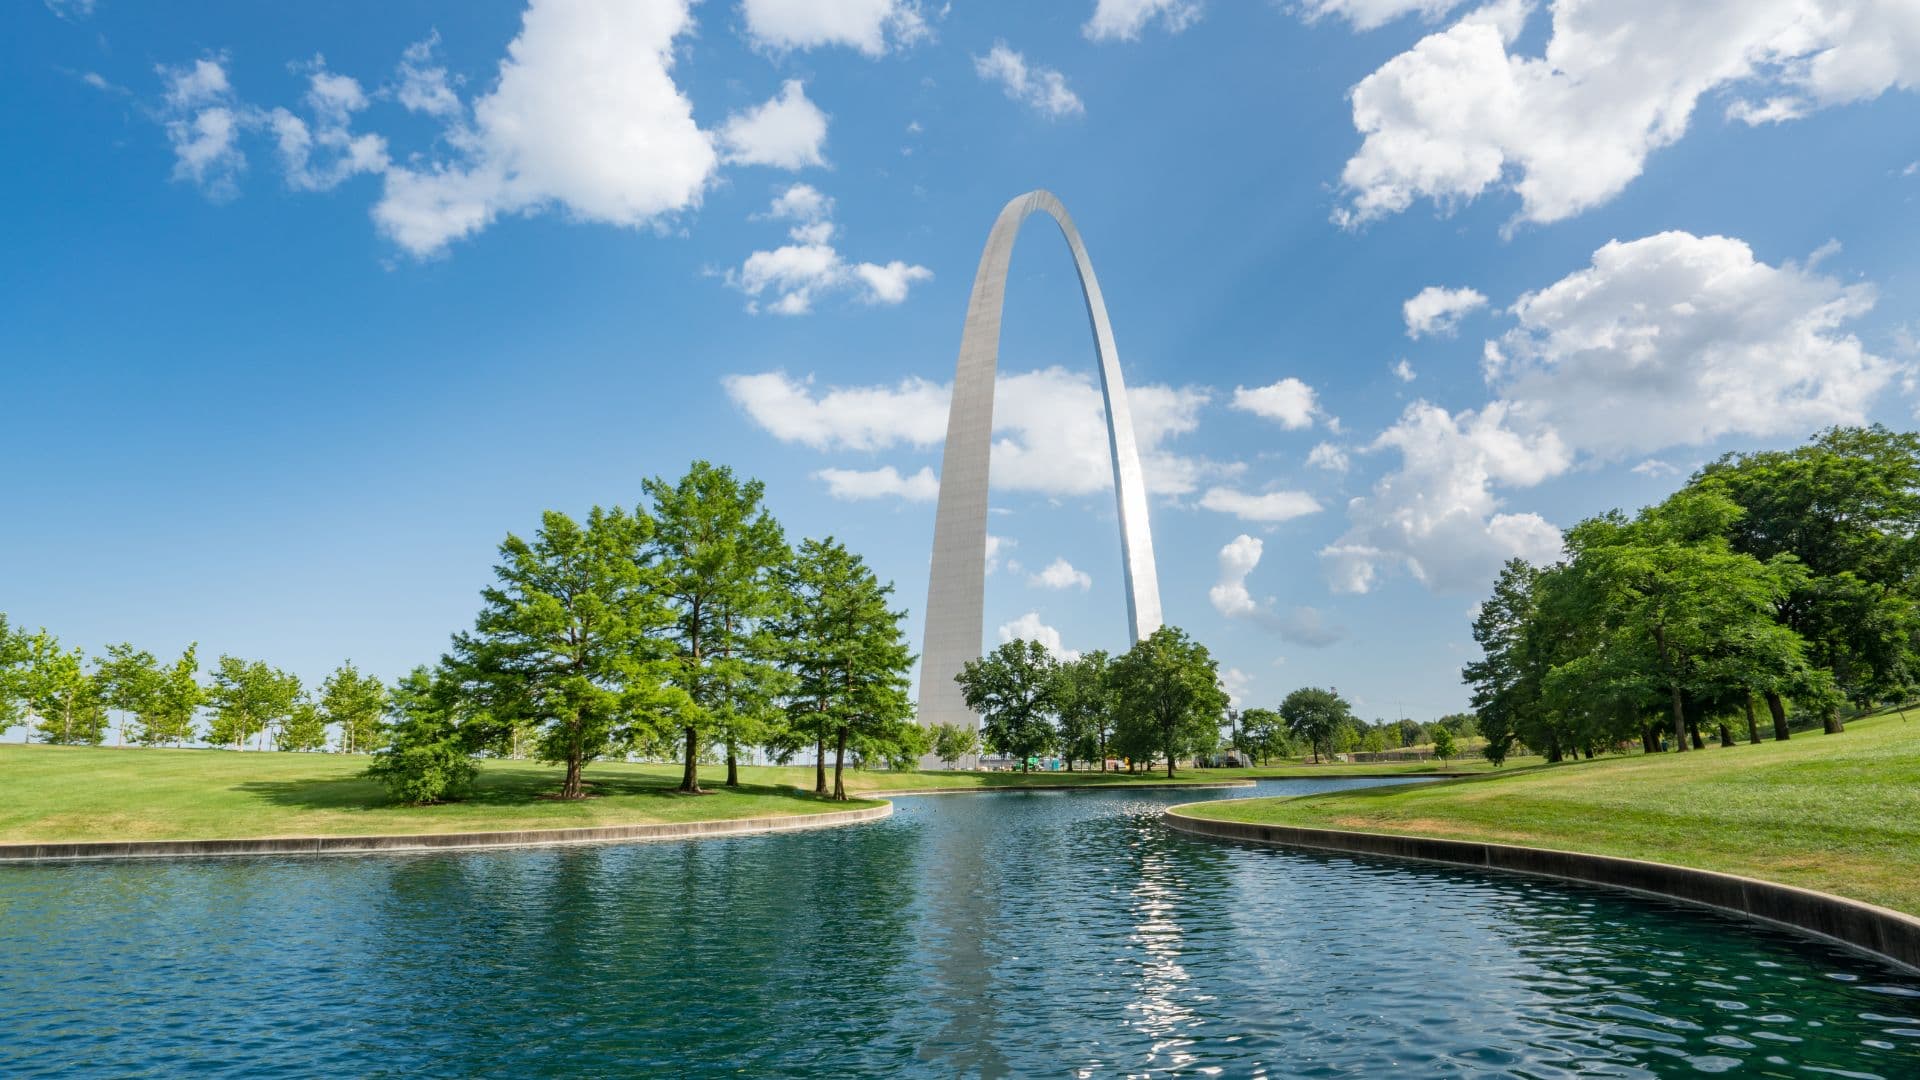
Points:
[[957, 586]]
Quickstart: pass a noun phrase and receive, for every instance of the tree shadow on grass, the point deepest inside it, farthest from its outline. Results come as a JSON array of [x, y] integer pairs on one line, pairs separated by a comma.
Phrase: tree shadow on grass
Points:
[[521, 786]]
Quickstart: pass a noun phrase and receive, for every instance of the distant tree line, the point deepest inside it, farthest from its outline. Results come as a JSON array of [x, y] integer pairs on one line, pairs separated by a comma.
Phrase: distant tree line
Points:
[[1159, 701], [686, 630], [1778, 582]]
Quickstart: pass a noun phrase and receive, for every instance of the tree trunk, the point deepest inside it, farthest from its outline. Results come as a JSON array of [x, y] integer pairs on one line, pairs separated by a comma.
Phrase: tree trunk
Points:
[[733, 767], [571, 788], [1649, 742], [1779, 713], [690, 776], [1832, 723], [1753, 728], [1693, 729], [820, 766], [839, 766], [1726, 734], [1169, 759], [1679, 720]]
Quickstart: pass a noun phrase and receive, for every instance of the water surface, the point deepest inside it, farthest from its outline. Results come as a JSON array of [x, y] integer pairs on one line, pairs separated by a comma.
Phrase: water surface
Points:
[[1020, 934]]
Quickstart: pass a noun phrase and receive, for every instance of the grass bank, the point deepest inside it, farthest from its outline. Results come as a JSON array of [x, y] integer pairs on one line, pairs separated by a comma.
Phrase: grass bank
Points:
[[63, 793], [1838, 813]]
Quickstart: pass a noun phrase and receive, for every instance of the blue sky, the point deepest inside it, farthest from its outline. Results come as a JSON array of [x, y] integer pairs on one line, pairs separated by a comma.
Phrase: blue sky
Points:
[[303, 308]]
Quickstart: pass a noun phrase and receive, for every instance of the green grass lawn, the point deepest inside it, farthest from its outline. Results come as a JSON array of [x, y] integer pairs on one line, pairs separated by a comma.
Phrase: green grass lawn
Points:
[[1839, 813], [103, 793]]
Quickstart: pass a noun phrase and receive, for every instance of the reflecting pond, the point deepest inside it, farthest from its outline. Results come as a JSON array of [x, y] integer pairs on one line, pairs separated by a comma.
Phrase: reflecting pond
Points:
[[1017, 934]]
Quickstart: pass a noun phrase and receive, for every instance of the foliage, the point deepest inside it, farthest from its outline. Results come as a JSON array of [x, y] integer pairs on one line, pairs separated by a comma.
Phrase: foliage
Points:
[[849, 659], [1012, 689], [427, 760], [1168, 691], [953, 742], [562, 642], [248, 699], [357, 705], [126, 678], [1083, 701], [1443, 746], [1319, 718], [172, 702], [59, 692], [1263, 735], [718, 554]]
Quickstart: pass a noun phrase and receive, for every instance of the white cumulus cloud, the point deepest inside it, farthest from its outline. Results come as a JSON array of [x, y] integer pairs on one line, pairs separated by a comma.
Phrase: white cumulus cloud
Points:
[[1680, 339], [1434, 310], [1043, 89], [323, 155], [882, 483], [786, 132], [1122, 20], [1237, 559], [584, 118], [1028, 627], [1290, 403], [870, 26], [912, 412], [788, 279], [1462, 113], [1061, 574], [203, 121], [1272, 506]]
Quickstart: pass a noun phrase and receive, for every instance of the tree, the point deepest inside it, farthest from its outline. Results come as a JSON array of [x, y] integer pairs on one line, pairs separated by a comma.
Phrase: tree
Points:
[[562, 641], [848, 657], [357, 704], [1263, 735], [1012, 689], [1443, 747], [14, 652], [174, 701], [1847, 507], [1168, 691], [305, 727], [57, 689], [126, 678], [249, 699], [719, 555], [1083, 699], [1374, 741], [1316, 717], [427, 759], [954, 742], [1674, 608]]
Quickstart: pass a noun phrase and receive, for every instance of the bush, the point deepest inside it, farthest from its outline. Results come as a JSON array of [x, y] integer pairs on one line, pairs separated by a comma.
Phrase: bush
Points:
[[429, 773]]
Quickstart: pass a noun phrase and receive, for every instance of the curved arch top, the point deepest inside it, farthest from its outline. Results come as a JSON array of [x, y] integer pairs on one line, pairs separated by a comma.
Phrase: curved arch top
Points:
[[957, 585]]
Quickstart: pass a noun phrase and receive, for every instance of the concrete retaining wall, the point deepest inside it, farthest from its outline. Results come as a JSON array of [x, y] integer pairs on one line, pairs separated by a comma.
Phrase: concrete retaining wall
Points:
[[1887, 934], [359, 845]]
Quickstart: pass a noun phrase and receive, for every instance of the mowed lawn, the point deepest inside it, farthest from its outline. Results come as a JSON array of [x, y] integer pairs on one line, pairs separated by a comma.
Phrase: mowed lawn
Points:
[[106, 793], [1839, 813], [101, 793]]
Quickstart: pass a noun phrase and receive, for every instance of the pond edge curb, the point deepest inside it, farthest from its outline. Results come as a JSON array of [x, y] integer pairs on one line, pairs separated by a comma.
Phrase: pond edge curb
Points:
[[1887, 935], [1118, 785], [419, 842]]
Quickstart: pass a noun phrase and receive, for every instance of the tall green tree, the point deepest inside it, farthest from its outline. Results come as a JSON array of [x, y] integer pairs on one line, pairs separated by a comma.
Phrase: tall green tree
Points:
[[1167, 688], [174, 702], [564, 640], [1012, 689], [428, 759], [127, 678], [719, 554], [1083, 698], [1316, 717], [59, 692], [357, 705], [1677, 610], [953, 743], [249, 699], [1262, 735], [13, 661], [305, 727], [848, 658], [1847, 508]]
